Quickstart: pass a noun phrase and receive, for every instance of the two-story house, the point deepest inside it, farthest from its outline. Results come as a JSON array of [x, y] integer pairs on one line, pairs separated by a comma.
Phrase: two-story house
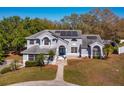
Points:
[[64, 43]]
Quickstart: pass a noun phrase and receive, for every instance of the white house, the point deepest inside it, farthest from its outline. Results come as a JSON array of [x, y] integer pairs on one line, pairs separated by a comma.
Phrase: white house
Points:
[[64, 43]]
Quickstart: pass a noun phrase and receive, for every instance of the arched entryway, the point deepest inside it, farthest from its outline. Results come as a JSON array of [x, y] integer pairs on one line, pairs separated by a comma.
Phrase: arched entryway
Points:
[[96, 52], [62, 50]]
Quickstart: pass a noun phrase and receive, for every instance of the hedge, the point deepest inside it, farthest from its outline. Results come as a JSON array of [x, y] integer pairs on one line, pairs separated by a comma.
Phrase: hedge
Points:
[[31, 64]]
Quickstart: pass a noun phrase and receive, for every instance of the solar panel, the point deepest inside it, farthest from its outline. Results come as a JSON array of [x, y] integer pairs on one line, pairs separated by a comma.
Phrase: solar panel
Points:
[[74, 33], [68, 33], [63, 33], [57, 31]]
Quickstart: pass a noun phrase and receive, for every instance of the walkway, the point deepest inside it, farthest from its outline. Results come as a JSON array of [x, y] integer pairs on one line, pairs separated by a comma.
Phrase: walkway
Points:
[[58, 81]]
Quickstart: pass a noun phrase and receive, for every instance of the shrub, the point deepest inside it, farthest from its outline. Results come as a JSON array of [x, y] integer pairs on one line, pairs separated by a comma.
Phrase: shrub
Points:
[[108, 50], [5, 70], [31, 64], [115, 50], [40, 59]]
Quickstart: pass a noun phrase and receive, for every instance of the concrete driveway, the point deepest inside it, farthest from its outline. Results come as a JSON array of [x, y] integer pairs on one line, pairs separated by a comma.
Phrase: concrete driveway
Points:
[[44, 83]]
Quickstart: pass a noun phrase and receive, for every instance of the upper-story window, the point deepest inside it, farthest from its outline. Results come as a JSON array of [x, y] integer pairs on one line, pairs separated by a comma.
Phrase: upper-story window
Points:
[[54, 39], [46, 41], [31, 42], [74, 39]]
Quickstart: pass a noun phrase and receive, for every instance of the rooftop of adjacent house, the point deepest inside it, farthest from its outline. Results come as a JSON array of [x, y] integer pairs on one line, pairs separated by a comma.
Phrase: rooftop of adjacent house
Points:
[[65, 34]]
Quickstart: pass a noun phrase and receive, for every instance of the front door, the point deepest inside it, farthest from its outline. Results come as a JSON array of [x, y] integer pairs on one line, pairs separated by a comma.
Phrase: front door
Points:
[[62, 50]]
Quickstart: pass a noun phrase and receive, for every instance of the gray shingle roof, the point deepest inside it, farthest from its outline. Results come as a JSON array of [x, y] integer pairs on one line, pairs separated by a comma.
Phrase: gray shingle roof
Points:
[[89, 39], [57, 33], [34, 36], [37, 50], [107, 41]]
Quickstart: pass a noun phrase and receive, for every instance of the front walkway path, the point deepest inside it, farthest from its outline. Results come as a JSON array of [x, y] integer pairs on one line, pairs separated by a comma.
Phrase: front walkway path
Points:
[[58, 81]]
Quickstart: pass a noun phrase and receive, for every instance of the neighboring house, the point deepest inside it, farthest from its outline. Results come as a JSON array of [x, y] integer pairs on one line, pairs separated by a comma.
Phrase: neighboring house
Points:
[[64, 43]]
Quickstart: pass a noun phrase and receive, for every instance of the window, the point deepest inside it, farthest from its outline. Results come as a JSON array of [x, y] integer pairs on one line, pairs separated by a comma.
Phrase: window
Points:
[[74, 39], [73, 49], [38, 41], [54, 39], [31, 42], [31, 57], [46, 41]]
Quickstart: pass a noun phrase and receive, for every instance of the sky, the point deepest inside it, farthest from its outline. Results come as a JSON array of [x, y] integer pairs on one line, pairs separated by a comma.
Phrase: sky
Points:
[[51, 13]]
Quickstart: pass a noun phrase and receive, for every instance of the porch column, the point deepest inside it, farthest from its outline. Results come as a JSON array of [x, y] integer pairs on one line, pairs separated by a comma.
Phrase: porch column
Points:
[[91, 52], [57, 51], [101, 48]]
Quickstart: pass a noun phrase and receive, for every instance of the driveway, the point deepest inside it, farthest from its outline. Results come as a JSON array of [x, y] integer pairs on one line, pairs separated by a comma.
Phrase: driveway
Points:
[[58, 81], [44, 83]]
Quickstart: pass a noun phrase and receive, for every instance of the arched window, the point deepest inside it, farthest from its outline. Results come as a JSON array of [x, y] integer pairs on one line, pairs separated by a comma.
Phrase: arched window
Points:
[[46, 41]]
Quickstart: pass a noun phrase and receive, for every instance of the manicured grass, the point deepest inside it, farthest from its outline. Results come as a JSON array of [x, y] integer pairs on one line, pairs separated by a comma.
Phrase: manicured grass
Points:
[[28, 74], [95, 72]]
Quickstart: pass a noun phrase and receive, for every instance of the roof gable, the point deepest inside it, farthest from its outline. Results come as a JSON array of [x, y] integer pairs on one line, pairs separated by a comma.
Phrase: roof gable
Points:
[[96, 43]]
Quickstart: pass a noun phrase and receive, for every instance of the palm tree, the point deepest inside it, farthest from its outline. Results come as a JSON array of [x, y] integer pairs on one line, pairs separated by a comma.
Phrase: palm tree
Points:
[[40, 59], [108, 50]]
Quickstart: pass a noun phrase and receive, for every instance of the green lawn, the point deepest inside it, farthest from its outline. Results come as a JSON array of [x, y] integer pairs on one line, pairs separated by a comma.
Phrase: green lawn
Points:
[[95, 72], [28, 74]]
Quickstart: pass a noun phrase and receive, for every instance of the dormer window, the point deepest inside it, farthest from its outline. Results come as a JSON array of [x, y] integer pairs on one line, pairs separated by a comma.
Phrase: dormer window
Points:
[[46, 41], [74, 39], [31, 42], [54, 39]]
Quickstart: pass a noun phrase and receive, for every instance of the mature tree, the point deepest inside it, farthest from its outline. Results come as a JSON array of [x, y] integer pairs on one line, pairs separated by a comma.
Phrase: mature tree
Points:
[[1, 55], [106, 21], [71, 20]]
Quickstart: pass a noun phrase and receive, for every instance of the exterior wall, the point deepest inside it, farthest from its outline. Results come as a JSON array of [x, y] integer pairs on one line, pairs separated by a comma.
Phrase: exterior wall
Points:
[[41, 37], [84, 52], [25, 58], [73, 44], [121, 50]]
